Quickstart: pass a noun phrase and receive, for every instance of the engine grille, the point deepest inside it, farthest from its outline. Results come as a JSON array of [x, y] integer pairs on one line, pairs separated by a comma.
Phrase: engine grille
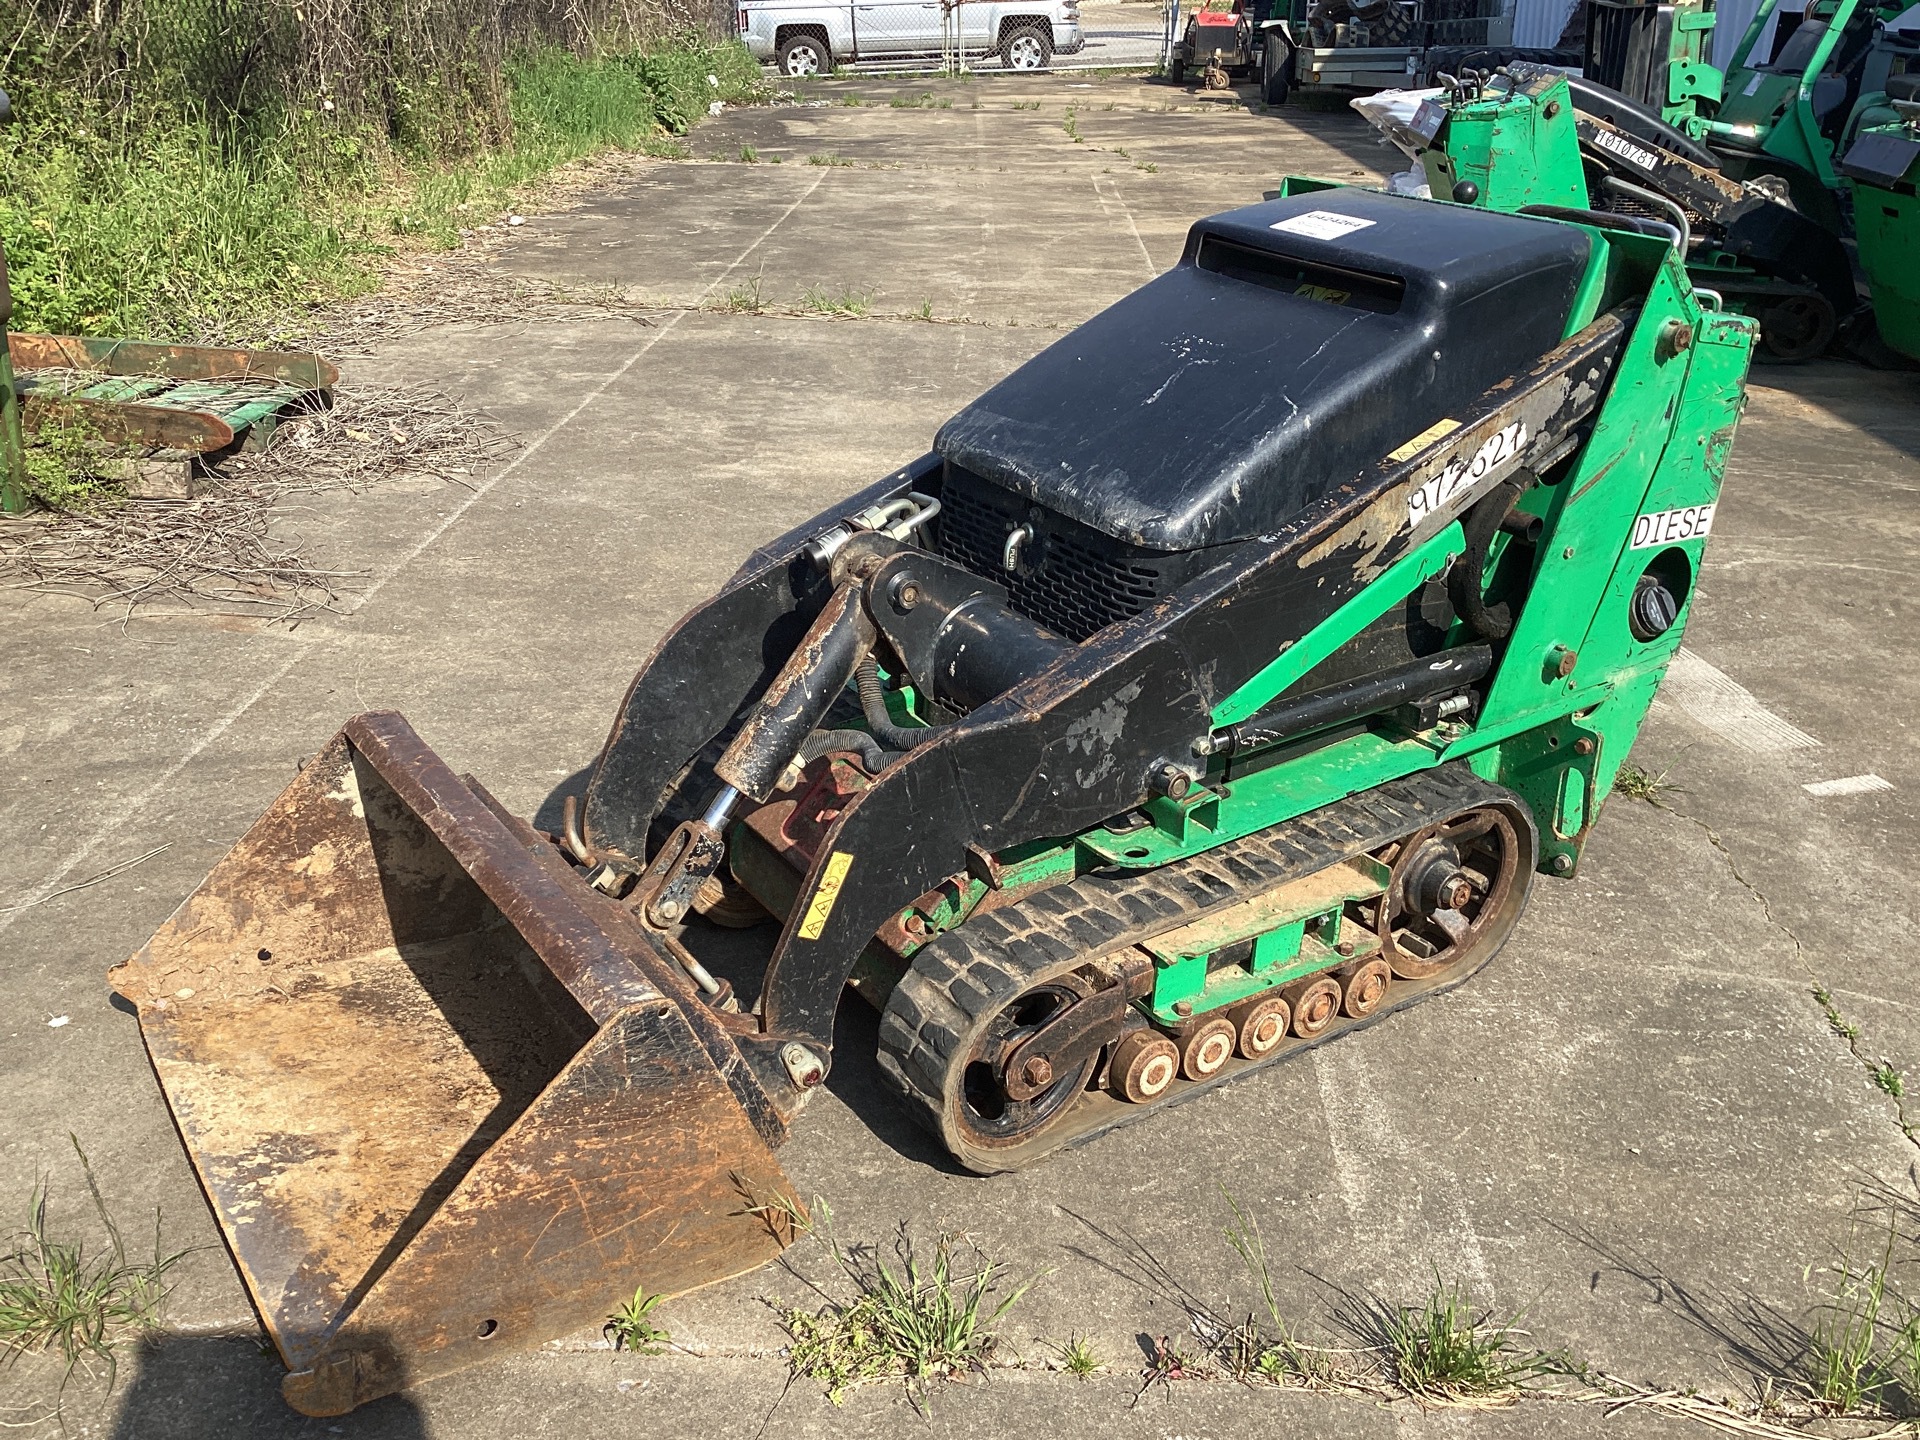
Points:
[[1075, 580]]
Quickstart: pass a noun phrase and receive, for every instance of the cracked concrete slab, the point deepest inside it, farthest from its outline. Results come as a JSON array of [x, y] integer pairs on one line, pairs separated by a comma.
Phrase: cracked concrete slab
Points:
[[1637, 1126]]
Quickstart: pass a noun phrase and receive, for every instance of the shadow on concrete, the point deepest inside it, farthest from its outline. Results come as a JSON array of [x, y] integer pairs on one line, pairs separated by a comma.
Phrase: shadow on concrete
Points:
[[1126, 1256], [1763, 1341], [1882, 403], [200, 1385]]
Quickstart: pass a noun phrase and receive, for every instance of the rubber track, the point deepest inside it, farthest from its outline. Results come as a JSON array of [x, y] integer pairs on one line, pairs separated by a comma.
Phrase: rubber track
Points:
[[959, 980]]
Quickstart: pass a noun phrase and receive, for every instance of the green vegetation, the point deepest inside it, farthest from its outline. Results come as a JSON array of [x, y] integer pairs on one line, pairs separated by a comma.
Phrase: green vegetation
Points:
[[818, 300], [919, 1319], [1638, 784], [744, 299], [63, 465], [174, 219], [1444, 1348], [925, 100], [749, 155], [1888, 1079], [631, 1327], [1838, 1023], [1079, 1359], [828, 159], [1072, 127], [63, 1297]]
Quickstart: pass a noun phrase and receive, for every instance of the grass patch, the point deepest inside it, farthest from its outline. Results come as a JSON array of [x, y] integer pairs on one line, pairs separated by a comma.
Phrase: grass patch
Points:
[[749, 155], [918, 1318], [1836, 1022], [631, 1327], [1026, 104], [78, 1302], [829, 158], [1445, 1348], [115, 226], [1637, 783], [925, 100], [1079, 1359], [1148, 166], [744, 299], [818, 300], [1072, 127]]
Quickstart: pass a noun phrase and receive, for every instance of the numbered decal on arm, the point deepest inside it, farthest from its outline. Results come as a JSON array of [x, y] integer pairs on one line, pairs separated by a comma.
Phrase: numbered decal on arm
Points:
[[1426, 500]]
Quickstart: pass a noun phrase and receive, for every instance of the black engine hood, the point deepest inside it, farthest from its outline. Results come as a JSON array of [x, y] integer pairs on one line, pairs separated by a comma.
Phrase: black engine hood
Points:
[[1295, 343]]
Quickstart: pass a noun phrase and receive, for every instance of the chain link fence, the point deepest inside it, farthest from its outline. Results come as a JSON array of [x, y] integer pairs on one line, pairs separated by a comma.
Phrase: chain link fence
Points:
[[799, 38]]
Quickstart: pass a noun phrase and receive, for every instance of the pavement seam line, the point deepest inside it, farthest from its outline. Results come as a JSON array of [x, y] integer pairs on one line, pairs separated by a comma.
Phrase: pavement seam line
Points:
[[121, 816], [1127, 210], [1821, 993]]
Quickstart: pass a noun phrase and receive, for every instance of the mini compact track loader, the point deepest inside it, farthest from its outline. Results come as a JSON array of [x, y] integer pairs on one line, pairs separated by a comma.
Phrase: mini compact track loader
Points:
[[1218, 685]]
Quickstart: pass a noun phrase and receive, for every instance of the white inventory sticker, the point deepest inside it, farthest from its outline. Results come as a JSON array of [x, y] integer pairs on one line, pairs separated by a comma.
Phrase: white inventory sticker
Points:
[[1321, 225], [1497, 449], [1626, 149], [1669, 527]]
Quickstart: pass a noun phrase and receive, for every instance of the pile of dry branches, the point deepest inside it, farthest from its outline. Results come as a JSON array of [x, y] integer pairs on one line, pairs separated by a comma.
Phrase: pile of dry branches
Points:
[[220, 549]]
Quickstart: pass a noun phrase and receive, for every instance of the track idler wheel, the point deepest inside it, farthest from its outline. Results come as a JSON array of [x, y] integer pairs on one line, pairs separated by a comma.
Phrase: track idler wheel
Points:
[[1144, 1065], [1456, 888]]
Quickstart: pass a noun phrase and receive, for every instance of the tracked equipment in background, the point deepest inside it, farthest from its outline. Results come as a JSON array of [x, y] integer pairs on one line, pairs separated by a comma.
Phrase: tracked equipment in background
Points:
[[1529, 138], [1218, 684]]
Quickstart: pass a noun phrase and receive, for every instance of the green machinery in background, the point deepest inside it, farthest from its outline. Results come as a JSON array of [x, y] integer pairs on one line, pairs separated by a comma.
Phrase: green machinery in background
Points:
[[1883, 166], [1528, 138], [1660, 55], [1792, 114]]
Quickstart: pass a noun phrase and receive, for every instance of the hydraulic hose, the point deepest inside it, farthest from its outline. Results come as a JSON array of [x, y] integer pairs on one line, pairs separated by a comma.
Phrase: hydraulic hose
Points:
[[873, 754], [873, 705]]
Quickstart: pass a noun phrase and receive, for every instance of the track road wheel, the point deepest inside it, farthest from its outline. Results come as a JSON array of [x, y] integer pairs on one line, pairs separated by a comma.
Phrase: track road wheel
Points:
[[1457, 888], [1262, 1024], [1206, 1048], [1144, 1065], [1363, 990], [1316, 1005]]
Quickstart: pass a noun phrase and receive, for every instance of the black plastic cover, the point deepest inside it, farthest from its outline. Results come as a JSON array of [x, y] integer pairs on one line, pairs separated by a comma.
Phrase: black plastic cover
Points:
[[1270, 365], [1880, 157]]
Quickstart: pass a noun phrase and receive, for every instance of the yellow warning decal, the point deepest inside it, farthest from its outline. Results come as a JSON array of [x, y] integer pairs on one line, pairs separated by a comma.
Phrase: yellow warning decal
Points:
[[1425, 438], [831, 879]]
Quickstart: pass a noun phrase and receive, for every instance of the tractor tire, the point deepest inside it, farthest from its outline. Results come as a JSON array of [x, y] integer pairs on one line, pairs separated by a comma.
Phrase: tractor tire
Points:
[[1177, 73]]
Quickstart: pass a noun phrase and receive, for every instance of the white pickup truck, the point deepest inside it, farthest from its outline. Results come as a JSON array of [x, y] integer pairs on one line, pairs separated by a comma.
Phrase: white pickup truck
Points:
[[811, 39]]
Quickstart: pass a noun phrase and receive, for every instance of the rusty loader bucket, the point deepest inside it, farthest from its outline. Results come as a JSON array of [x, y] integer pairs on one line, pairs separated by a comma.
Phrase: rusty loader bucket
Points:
[[440, 1102]]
